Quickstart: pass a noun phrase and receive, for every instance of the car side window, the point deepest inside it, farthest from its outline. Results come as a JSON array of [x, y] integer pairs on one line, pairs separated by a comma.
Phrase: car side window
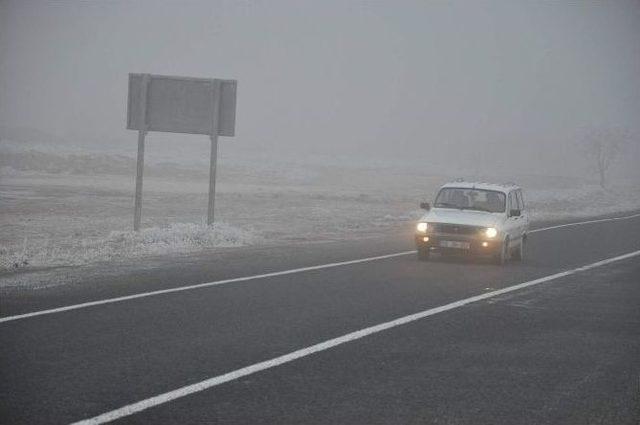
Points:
[[512, 204], [521, 200]]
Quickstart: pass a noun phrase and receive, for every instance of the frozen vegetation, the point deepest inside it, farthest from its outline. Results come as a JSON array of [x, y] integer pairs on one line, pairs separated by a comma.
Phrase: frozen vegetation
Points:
[[175, 238], [75, 207]]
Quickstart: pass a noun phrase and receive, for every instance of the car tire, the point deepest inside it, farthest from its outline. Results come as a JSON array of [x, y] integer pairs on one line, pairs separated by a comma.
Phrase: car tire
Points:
[[423, 254], [518, 254], [501, 257]]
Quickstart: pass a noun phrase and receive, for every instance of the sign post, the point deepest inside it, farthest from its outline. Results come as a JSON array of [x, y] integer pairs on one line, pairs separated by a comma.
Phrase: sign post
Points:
[[180, 105], [137, 214], [214, 150]]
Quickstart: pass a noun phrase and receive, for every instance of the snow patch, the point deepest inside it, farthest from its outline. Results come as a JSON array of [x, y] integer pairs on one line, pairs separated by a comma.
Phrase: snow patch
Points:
[[586, 201], [176, 238]]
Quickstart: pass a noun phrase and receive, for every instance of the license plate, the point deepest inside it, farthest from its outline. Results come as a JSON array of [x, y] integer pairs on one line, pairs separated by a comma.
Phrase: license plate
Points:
[[454, 244]]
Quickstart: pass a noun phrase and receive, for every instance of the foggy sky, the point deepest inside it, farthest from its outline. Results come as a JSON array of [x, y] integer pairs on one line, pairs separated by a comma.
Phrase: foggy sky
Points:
[[484, 82]]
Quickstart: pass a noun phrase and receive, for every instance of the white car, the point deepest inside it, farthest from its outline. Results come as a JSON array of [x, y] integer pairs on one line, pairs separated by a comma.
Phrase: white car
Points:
[[475, 218]]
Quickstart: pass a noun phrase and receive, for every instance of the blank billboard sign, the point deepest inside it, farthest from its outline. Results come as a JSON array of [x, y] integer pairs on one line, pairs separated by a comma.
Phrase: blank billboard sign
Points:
[[180, 104]]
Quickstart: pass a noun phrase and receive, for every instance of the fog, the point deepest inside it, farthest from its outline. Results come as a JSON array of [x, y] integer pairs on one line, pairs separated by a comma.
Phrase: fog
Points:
[[429, 211], [468, 85]]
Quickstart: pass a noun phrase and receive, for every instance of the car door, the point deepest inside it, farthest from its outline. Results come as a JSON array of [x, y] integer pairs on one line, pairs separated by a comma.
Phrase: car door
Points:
[[521, 222], [524, 222], [513, 222]]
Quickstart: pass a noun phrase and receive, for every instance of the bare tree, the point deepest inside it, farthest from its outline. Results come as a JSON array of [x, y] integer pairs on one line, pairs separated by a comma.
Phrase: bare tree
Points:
[[602, 147]]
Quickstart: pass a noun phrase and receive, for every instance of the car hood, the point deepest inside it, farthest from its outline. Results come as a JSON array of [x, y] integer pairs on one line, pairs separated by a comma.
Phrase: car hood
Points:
[[462, 217]]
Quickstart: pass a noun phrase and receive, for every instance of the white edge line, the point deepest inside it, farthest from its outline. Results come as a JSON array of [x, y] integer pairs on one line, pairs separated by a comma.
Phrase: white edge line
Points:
[[139, 406], [543, 229], [196, 286], [259, 276]]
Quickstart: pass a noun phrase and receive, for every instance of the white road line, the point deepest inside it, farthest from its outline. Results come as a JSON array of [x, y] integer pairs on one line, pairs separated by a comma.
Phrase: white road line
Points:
[[579, 223], [326, 345], [197, 286], [259, 276]]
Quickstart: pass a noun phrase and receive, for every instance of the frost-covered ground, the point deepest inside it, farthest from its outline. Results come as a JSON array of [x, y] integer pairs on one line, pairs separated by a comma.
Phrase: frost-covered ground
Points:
[[75, 207]]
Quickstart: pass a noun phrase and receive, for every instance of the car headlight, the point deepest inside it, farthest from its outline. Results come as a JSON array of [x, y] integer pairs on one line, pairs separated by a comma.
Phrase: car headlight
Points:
[[491, 232], [422, 227]]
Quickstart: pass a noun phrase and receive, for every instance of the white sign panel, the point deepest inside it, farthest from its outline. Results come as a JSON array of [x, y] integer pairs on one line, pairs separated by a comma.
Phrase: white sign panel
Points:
[[181, 104]]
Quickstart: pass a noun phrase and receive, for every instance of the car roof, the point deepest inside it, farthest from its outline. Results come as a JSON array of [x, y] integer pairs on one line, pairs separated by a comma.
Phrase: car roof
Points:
[[499, 187]]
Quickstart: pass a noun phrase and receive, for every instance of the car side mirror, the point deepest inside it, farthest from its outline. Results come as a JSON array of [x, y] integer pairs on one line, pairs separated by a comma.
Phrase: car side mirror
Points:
[[514, 213], [425, 206]]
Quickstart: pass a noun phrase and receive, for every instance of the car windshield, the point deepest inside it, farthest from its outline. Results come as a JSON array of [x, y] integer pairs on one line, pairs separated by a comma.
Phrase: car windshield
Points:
[[471, 199]]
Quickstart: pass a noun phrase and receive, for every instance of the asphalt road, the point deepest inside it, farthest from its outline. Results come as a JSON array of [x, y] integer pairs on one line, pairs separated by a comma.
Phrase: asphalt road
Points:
[[564, 351]]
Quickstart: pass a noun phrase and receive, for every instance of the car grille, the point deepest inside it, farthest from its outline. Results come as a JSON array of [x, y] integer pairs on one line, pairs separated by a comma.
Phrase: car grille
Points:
[[456, 229]]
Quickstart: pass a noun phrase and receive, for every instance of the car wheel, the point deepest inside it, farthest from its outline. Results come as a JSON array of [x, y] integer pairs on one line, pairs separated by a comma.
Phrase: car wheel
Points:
[[501, 257], [518, 254], [423, 254]]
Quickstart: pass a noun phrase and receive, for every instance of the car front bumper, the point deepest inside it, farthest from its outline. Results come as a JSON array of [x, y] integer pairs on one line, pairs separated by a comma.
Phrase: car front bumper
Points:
[[477, 246]]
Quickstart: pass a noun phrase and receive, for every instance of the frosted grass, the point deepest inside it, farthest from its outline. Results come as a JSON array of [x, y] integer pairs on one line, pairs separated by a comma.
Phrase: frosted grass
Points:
[[176, 238]]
